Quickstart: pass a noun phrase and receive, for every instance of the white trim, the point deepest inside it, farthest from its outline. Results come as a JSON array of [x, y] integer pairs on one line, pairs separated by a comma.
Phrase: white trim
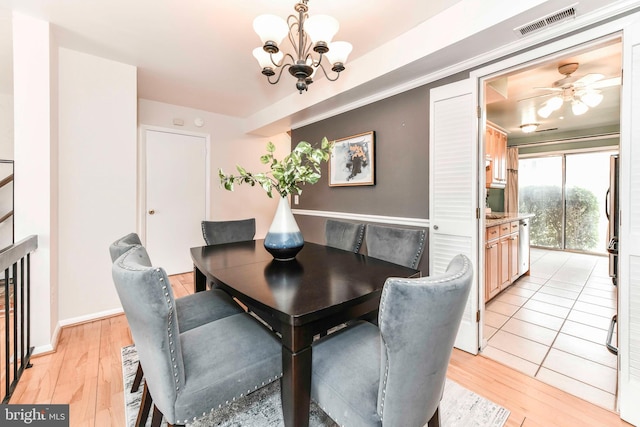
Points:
[[43, 349], [396, 220], [89, 317], [484, 58]]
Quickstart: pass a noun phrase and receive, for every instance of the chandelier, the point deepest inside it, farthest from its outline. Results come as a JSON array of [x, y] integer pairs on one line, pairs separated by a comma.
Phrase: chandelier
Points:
[[307, 35]]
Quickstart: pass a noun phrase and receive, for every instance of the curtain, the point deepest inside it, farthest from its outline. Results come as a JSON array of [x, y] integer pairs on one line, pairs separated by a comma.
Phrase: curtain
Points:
[[511, 189]]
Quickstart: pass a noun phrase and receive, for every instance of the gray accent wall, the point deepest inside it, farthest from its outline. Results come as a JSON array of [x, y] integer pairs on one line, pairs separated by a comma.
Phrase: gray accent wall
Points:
[[401, 126], [401, 154]]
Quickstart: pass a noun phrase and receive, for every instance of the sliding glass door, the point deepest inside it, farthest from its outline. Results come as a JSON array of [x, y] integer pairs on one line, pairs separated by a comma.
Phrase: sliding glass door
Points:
[[566, 192]]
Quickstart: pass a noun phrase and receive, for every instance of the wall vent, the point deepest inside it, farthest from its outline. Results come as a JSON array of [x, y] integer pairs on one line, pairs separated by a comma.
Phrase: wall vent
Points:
[[551, 19]]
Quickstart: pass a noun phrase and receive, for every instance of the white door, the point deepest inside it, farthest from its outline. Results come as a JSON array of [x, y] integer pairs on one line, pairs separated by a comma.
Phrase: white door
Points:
[[176, 166], [452, 194], [629, 249]]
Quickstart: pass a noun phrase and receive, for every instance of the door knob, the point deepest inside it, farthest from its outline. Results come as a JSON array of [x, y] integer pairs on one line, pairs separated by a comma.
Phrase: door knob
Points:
[[151, 212], [435, 227]]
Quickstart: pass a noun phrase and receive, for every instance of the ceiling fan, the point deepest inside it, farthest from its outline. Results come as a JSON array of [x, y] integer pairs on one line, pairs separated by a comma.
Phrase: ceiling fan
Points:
[[583, 92]]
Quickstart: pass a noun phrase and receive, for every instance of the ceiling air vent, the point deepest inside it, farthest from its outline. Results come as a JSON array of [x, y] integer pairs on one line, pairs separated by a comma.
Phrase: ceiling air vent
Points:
[[544, 22]]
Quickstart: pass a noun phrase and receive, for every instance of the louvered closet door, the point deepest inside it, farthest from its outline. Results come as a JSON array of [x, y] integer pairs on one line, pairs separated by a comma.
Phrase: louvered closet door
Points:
[[629, 246], [452, 194]]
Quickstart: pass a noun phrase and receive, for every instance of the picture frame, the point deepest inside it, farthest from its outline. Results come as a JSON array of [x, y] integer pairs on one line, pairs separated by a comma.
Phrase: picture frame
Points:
[[352, 161]]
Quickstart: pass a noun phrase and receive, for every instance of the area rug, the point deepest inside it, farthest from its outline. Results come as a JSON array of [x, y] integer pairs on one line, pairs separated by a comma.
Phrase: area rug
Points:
[[459, 407]]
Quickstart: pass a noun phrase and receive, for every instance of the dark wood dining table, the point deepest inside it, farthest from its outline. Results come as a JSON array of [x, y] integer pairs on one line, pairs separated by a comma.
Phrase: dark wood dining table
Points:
[[321, 288]]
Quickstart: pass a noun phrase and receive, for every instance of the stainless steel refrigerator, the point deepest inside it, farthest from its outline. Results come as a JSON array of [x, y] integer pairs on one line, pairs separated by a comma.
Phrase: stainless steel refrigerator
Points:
[[612, 235]]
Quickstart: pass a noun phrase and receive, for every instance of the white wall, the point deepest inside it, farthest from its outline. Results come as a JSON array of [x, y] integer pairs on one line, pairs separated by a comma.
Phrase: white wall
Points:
[[97, 178], [6, 126], [34, 193], [230, 146]]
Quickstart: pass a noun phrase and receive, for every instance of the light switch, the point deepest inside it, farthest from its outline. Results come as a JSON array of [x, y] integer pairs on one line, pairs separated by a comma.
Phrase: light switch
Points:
[[296, 199]]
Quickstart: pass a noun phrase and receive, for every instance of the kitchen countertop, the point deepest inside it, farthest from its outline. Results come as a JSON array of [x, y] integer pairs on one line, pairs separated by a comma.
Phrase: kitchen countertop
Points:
[[505, 217]]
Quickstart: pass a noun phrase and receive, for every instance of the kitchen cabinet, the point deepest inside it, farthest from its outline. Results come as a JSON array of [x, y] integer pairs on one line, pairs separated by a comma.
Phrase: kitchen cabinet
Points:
[[496, 156], [501, 257], [514, 248], [491, 280]]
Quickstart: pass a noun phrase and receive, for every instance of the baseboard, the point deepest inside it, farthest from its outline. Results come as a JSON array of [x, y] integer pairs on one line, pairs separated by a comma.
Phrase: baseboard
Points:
[[90, 317], [74, 321], [43, 350]]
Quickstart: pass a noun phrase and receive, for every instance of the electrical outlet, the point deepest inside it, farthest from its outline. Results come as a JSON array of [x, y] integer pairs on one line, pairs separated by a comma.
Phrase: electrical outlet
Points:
[[296, 199]]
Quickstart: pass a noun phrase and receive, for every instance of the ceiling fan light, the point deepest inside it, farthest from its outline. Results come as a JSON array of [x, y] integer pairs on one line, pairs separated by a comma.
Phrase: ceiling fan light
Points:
[[554, 103], [529, 127], [270, 28], [545, 111], [592, 98], [321, 28], [578, 107]]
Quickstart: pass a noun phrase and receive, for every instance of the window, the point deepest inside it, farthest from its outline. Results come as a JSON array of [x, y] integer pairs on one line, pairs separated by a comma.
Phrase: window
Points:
[[566, 192]]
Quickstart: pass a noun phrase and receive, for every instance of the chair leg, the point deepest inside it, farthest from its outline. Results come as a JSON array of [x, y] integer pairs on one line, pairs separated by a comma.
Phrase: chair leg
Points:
[[137, 379], [145, 407], [435, 419], [156, 419]]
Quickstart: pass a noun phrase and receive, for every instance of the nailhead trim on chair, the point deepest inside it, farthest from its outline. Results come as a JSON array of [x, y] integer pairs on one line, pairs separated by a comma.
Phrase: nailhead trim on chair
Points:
[[416, 258], [268, 381], [360, 239], [383, 300], [173, 359], [174, 366]]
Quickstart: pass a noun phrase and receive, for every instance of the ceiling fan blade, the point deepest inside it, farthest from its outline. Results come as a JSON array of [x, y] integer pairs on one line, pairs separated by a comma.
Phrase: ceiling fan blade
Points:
[[614, 81], [554, 89], [588, 79]]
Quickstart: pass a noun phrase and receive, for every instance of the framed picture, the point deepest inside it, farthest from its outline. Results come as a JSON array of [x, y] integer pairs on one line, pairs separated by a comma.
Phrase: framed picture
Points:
[[352, 161]]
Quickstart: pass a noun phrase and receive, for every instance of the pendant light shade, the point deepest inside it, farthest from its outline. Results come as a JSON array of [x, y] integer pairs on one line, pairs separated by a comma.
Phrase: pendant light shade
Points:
[[264, 59], [270, 28], [338, 53], [321, 28]]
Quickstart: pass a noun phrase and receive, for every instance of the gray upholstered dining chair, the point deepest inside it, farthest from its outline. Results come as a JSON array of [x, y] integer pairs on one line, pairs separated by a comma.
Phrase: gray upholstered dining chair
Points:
[[219, 232], [402, 246], [394, 374], [193, 310], [344, 235], [189, 374]]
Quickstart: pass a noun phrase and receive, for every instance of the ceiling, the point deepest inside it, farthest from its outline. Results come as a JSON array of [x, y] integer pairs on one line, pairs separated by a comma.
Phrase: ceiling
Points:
[[519, 103], [197, 53]]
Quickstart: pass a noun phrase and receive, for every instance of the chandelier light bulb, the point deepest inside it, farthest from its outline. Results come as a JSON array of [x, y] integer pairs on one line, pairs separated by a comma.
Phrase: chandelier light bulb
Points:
[[270, 28], [339, 52], [321, 28], [264, 59], [578, 107]]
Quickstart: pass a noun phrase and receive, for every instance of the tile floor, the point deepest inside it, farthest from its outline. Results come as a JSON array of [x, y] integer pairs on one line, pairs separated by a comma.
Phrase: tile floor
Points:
[[553, 325]]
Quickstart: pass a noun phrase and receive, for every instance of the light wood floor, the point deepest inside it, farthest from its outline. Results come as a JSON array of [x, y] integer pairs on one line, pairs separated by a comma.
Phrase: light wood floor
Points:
[[85, 372]]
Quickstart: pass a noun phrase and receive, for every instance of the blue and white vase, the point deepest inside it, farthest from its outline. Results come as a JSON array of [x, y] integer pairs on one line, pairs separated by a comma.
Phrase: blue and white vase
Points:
[[284, 239]]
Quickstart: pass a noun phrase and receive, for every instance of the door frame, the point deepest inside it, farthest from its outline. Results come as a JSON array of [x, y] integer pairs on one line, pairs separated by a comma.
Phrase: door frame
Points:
[[142, 173], [554, 50]]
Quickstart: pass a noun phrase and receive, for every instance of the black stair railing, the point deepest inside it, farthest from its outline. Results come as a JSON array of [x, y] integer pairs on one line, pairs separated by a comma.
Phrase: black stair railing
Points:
[[15, 313]]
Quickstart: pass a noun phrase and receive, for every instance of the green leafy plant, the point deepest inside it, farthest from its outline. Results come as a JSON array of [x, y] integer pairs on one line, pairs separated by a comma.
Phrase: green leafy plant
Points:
[[301, 166], [582, 216]]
